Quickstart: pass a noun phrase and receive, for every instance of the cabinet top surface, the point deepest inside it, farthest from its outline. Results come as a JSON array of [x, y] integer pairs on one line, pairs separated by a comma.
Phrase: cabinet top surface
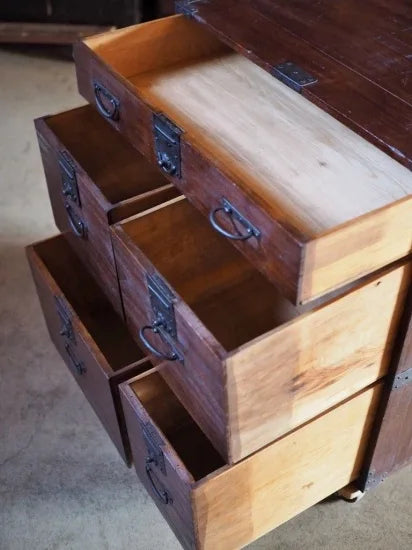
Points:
[[359, 52]]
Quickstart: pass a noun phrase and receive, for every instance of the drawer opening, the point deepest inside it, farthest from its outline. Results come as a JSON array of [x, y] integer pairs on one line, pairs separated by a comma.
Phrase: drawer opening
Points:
[[88, 302], [233, 300], [113, 165], [175, 423], [307, 168]]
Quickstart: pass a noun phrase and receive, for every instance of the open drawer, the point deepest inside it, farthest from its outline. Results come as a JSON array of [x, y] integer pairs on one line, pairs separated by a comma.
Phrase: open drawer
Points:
[[311, 203], [247, 364], [95, 177], [87, 332], [213, 506]]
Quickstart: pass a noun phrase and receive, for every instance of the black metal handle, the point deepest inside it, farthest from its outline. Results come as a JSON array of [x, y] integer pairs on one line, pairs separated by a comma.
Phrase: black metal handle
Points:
[[101, 93], [166, 164], [77, 225], [78, 366], [156, 329], [161, 494], [234, 215]]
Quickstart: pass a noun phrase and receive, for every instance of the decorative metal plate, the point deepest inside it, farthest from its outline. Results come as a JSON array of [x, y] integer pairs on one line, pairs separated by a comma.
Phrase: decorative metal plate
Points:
[[69, 178], [161, 300], [293, 76], [167, 145]]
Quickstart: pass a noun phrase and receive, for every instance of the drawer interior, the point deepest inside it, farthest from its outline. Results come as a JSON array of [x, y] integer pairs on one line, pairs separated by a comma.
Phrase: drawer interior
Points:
[[89, 303], [305, 166], [183, 434], [113, 165], [234, 301]]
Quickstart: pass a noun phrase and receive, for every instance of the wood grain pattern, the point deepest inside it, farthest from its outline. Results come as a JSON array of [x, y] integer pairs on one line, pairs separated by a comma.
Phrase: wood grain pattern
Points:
[[101, 341], [234, 138], [313, 362], [253, 365], [112, 178], [380, 238], [273, 32], [229, 108], [237, 506], [199, 380], [226, 507]]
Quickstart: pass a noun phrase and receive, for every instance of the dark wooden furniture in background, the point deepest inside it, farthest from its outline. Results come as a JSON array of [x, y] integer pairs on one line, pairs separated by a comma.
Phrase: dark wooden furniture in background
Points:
[[90, 336], [66, 21], [391, 443]]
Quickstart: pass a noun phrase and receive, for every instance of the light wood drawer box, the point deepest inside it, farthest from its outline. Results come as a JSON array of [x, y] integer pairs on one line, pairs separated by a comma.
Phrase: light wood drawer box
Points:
[[311, 203], [248, 365], [95, 178], [87, 332], [210, 505]]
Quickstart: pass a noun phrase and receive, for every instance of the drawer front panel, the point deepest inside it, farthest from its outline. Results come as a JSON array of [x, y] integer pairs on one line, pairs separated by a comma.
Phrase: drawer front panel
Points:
[[197, 377], [84, 220], [155, 464], [132, 118], [79, 352]]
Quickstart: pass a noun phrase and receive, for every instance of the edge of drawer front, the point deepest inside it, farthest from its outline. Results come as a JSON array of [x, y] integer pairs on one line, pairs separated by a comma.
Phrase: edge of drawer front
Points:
[[95, 383], [174, 479], [237, 504], [251, 498], [285, 263], [313, 362], [199, 382]]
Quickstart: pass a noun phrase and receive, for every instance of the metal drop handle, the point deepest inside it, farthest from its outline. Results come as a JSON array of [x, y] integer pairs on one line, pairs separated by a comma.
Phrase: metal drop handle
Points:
[[166, 164], [101, 93], [77, 365], [161, 494], [77, 225], [155, 328], [233, 215]]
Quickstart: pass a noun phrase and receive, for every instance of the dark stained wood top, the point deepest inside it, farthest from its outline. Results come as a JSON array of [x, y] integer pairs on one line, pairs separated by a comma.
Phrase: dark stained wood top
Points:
[[360, 52]]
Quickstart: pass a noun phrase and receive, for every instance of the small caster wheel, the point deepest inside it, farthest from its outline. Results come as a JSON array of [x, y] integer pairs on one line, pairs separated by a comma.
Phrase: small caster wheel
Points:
[[350, 493]]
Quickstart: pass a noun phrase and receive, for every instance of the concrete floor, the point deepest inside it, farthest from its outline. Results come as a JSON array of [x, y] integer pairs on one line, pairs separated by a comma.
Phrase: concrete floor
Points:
[[62, 484]]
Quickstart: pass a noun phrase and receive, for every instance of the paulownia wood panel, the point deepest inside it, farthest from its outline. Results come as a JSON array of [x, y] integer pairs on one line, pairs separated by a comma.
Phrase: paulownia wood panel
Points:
[[244, 502], [312, 362]]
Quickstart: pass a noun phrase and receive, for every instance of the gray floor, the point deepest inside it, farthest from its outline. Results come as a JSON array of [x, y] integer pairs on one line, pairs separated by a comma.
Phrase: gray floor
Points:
[[62, 484]]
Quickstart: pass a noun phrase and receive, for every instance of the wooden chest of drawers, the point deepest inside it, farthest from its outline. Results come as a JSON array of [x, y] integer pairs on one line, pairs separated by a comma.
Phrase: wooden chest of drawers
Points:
[[271, 299]]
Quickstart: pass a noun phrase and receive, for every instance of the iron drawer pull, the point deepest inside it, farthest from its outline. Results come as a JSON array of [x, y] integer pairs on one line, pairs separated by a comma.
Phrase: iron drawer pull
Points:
[[234, 215], [100, 93], [166, 164], [77, 225], [155, 328], [161, 494], [77, 365]]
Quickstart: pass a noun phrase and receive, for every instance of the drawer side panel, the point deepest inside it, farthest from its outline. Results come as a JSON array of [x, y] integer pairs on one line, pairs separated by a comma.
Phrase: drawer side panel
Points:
[[289, 376], [249, 499]]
